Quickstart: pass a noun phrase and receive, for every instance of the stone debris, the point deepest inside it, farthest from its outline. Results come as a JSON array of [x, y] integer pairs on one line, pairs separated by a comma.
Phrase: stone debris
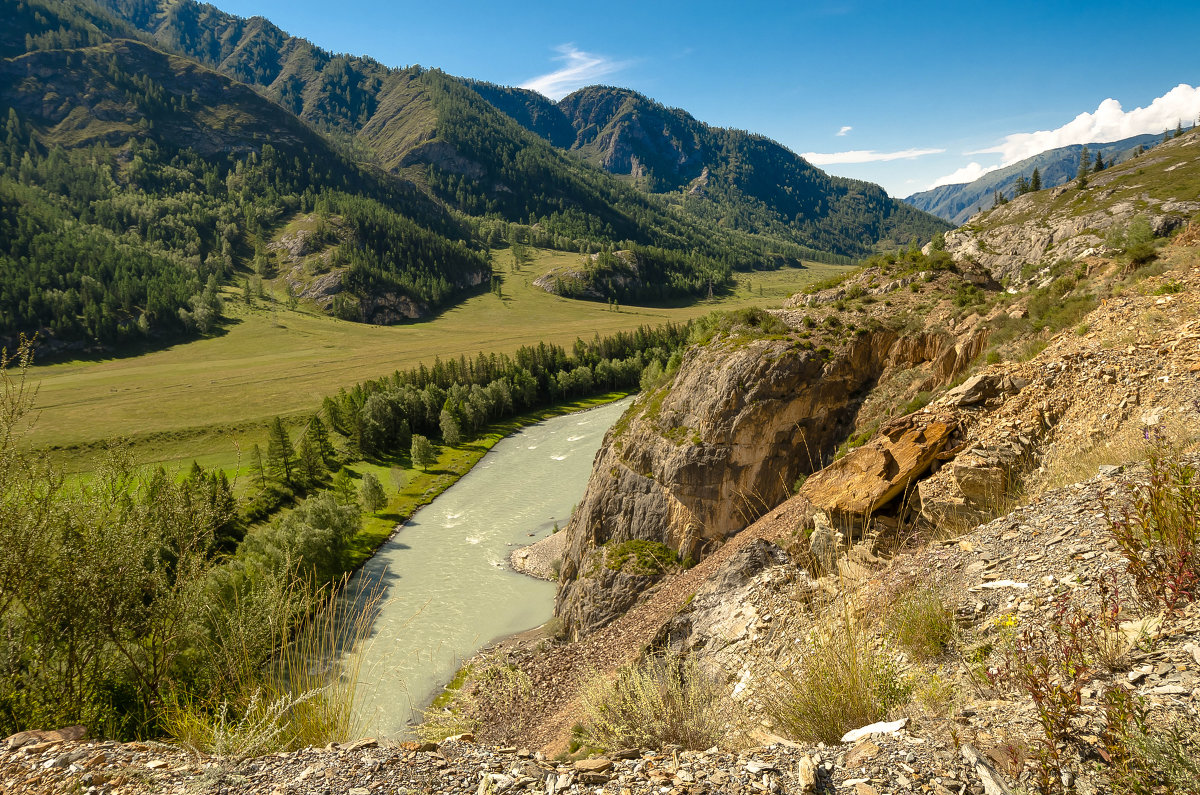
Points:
[[885, 727]]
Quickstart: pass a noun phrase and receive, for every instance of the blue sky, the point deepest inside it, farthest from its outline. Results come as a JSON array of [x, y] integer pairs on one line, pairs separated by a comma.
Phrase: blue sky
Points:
[[914, 92]]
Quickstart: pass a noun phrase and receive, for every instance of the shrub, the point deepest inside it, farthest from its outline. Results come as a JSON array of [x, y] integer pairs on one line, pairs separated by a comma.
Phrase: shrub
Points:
[[641, 557], [922, 623], [1139, 242], [660, 700], [1158, 531], [843, 683]]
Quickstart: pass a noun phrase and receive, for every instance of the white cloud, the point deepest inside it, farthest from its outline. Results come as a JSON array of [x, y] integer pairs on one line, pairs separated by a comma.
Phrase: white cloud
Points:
[[1110, 122], [844, 130], [968, 173], [579, 69], [865, 156]]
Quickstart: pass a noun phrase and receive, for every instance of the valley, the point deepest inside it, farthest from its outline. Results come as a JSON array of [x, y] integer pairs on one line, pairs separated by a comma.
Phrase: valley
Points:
[[367, 427], [196, 401]]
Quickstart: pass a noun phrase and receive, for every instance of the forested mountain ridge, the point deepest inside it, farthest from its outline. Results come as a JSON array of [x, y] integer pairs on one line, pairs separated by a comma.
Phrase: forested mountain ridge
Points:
[[735, 179], [958, 202], [109, 108], [416, 117], [132, 183]]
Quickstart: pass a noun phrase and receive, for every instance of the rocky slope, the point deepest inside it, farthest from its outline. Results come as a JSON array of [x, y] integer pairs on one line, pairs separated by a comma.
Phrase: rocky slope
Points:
[[703, 455], [1019, 240], [957, 203], [998, 496]]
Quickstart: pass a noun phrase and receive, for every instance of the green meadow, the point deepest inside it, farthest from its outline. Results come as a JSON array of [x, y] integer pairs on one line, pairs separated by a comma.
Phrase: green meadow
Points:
[[206, 399]]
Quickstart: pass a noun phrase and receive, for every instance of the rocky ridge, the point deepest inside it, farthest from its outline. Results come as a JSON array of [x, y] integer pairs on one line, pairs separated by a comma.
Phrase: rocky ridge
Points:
[[1020, 239]]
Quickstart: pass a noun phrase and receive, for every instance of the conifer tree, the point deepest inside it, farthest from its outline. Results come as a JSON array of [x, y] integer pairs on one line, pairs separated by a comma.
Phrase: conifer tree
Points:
[[310, 464], [257, 470], [320, 438], [281, 455], [1084, 162], [1035, 181]]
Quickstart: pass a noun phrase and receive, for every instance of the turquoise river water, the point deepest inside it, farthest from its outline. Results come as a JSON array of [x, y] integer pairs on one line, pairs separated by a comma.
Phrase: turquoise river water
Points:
[[447, 585]]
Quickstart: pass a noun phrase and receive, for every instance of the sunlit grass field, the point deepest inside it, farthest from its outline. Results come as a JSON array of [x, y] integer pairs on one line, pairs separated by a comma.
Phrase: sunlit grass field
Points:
[[203, 399]]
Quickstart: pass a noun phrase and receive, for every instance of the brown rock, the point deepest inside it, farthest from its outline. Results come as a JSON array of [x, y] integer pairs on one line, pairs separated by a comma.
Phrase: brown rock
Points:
[[597, 765], [68, 734], [874, 474], [861, 753]]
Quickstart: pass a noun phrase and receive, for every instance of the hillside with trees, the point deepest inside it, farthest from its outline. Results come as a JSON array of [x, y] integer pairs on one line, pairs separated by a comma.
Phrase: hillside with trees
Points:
[[956, 203], [154, 151]]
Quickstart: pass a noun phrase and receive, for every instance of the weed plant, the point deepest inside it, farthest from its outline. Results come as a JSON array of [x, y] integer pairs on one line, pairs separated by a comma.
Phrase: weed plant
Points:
[[1158, 530], [844, 682], [658, 701], [922, 623]]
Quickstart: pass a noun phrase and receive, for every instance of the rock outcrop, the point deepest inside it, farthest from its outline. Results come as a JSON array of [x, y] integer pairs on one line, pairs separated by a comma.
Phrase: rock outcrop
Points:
[[853, 488], [696, 460], [1015, 241]]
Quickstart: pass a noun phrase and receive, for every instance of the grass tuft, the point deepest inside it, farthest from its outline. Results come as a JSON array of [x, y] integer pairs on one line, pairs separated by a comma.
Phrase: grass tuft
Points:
[[843, 683], [657, 702]]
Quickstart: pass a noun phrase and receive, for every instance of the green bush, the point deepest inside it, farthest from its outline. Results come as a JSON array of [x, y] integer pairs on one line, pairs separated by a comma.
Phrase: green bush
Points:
[[641, 557]]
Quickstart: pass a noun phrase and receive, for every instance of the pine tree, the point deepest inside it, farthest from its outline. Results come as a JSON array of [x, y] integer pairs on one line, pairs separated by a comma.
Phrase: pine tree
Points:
[[257, 470], [372, 494], [320, 438], [281, 455], [1099, 164], [310, 465], [1035, 181], [343, 488], [1179, 128], [1084, 162]]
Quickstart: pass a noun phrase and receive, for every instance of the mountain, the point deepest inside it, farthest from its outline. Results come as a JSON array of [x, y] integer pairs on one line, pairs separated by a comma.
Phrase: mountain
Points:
[[729, 177], [411, 174], [421, 118], [1030, 238], [957, 203], [133, 182]]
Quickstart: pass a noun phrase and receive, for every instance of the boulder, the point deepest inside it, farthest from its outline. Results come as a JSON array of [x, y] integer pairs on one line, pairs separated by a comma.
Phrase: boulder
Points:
[[865, 479], [982, 388], [983, 486]]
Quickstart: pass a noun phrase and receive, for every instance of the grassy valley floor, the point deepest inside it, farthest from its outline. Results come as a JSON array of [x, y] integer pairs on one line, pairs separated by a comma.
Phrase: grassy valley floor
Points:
[[204, 400]]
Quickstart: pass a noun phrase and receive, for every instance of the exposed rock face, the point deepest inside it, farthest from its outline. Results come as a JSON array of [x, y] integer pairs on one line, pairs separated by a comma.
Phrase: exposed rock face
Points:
[[854, 487], [716, 620], [443, 155], [696, 461], [1064, 222], [577, 283]]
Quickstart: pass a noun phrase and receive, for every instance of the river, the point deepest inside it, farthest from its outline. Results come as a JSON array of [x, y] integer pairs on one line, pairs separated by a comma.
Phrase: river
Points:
[[447, 585]]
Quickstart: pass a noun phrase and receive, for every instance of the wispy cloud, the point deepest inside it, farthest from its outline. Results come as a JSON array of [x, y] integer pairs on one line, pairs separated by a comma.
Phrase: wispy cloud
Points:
[[1110, 122], [844, 130], [865, 156], [968, 173], [579, 68]]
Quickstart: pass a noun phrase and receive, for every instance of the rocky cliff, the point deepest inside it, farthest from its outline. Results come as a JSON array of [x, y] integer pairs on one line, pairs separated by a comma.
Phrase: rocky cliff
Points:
[[702, 456]]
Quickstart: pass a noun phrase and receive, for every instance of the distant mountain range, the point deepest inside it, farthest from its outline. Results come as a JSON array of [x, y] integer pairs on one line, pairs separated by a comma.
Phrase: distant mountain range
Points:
[[155, 101], [956, 203]]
